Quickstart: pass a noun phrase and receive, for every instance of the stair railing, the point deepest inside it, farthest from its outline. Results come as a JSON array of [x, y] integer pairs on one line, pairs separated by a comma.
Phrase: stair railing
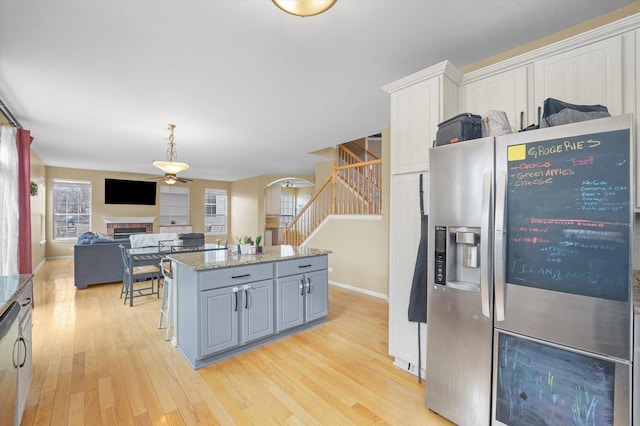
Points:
[[352, 189]]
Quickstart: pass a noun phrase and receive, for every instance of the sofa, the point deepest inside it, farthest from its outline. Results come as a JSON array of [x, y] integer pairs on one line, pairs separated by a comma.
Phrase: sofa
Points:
[[97, 258]]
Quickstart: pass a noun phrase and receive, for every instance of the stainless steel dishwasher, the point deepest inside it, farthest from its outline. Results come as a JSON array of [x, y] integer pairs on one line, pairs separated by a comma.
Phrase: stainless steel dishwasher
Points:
[[9, 364]]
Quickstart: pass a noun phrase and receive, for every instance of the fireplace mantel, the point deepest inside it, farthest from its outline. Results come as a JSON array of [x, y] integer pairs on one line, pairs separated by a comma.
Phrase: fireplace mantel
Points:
[[129, 219]]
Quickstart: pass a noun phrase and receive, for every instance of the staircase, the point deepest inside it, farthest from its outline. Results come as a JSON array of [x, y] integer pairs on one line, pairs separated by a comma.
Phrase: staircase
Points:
[[352, 188]]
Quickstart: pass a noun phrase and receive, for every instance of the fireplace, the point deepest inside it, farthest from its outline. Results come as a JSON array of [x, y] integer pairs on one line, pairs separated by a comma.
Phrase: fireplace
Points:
[[122, 227], [125, 232]]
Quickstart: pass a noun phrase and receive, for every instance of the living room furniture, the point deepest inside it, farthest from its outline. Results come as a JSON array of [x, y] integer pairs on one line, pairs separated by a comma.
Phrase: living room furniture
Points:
[[133, 272], [97, 259], [98, 262]]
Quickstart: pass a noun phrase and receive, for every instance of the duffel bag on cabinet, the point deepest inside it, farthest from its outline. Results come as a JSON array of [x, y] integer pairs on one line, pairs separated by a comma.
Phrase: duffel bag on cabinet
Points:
[[460, 128], [556, 112]]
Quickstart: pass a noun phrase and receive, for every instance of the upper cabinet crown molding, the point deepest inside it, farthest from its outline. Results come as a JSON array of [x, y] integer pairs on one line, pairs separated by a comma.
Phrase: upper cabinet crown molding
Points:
[[619, 27], [444, 68]]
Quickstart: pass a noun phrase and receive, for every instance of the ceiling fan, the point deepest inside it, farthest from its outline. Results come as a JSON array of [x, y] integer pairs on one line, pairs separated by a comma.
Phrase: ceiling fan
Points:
[[171, 168], [171, 178]]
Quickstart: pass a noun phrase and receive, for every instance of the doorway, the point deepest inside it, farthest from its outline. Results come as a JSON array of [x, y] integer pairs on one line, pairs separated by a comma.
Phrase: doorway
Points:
[[283, 198]]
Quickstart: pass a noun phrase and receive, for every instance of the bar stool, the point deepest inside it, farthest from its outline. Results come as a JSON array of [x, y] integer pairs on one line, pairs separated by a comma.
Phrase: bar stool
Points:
[[167, 290]]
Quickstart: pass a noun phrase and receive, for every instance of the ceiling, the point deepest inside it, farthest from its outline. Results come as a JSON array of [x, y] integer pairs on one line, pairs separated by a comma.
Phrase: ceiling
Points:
[[252, 90]]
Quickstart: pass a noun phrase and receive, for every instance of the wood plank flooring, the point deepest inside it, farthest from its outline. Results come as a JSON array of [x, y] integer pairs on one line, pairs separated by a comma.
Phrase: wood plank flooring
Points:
[[97, 361]]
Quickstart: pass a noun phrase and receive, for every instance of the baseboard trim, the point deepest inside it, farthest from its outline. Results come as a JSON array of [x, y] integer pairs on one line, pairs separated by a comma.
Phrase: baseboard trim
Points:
[[360, 290], [409, 367], [39, 265]]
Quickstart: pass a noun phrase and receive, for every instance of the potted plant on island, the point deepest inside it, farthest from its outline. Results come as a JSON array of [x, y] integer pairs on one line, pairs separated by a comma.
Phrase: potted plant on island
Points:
[[244, 244], [258, 246]]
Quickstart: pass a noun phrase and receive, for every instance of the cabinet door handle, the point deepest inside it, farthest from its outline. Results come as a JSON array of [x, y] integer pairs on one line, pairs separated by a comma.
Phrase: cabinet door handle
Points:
[[235, 293], [24, 343], [309, 284], [246, 296], [301, 287], [27, 302], [304, 266], [240, 276]]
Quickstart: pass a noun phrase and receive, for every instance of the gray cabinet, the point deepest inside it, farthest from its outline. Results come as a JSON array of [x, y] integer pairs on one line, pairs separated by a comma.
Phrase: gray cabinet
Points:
[[302, 291], [236, 314], [316, 298], [220, 320], [256, 320], [225, 311]]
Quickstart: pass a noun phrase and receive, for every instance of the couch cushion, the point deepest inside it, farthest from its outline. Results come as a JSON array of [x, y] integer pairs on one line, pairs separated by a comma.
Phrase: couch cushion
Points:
[[192, 239], [150, 240]]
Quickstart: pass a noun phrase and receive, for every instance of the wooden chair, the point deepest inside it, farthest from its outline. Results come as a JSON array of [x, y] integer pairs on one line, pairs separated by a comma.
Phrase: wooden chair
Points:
[[135, 272]]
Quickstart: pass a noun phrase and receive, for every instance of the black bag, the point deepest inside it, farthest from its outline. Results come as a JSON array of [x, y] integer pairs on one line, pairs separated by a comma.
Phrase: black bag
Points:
[[556, 113], [462, 127], [417, 311]]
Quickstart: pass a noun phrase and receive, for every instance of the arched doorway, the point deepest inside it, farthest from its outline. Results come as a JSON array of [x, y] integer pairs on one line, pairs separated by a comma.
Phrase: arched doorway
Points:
[[283, 199]]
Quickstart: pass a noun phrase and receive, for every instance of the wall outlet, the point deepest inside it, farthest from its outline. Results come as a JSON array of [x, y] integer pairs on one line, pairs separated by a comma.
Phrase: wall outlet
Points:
[[330, 269]]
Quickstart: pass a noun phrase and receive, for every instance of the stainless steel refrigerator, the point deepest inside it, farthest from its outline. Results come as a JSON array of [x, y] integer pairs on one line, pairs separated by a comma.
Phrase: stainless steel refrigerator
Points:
[[529, 309]]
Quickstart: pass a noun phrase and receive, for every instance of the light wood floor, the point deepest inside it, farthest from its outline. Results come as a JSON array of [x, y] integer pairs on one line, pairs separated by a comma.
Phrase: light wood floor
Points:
[[99, 362]]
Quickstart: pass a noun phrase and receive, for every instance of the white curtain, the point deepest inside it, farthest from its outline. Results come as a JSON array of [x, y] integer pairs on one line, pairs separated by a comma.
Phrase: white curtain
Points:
[[9, 212]]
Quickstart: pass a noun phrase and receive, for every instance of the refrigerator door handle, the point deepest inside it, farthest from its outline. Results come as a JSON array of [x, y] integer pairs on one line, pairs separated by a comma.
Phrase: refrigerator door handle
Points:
[[499, 244], [485, 271]]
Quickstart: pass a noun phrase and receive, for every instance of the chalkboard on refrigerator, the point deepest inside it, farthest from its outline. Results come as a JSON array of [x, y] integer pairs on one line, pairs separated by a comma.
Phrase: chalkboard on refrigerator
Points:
[[568, 215]]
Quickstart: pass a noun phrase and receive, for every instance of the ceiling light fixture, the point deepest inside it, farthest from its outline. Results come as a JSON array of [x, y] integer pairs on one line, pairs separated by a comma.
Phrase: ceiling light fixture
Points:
[[171, 167], [304, 7]]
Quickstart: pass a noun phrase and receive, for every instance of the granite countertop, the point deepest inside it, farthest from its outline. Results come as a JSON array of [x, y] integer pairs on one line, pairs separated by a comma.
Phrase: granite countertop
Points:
[[636, 291], [215, 259], [10, 288]]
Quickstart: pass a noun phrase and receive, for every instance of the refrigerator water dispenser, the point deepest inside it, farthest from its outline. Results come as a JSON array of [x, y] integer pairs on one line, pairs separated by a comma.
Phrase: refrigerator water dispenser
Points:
[[466, 238], [457, 257]]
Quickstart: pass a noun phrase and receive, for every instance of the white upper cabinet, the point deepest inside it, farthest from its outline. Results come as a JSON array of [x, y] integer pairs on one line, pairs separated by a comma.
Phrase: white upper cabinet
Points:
[[418, 103], [506, 91], [586, 75], [272, 199], [414, 119]]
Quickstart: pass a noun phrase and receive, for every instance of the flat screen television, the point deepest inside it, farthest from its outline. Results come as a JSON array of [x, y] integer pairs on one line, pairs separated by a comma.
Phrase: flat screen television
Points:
[[120, 191]]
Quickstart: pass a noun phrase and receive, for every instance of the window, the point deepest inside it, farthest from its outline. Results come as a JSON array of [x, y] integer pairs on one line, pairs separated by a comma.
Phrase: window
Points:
[[215, 211], [71, 208], [286, 209]]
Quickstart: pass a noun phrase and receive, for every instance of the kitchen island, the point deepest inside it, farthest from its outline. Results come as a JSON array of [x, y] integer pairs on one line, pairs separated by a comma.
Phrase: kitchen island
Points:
[[228, 303]]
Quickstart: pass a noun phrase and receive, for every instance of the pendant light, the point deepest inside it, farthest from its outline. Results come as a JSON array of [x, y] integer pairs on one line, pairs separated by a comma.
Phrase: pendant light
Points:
[[304, 7], [171, 167]]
